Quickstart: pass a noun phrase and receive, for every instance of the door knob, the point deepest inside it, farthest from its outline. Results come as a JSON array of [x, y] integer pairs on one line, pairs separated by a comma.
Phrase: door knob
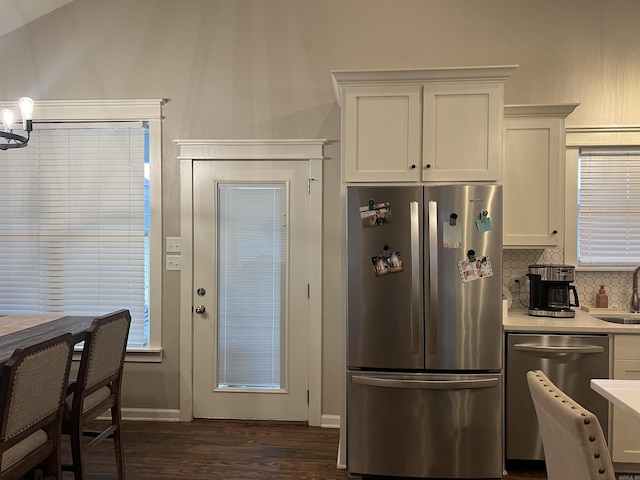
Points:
[[200, 309]]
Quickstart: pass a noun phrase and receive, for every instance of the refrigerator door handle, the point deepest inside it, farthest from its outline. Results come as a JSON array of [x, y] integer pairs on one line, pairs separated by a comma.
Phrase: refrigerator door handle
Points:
[[425, 384], [433, 277], [416, 293], [525, 347]]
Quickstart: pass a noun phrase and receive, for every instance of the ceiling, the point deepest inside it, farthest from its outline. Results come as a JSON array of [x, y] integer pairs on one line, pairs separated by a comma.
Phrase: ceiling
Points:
[[17, 13]]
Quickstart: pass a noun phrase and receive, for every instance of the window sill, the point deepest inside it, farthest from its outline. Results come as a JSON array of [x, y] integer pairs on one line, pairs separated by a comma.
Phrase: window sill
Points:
[[134, 355]]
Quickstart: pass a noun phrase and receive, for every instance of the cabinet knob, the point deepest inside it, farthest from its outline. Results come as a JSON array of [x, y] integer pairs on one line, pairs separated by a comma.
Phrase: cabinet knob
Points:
[[428, 165], [413, 165], [555, 232]]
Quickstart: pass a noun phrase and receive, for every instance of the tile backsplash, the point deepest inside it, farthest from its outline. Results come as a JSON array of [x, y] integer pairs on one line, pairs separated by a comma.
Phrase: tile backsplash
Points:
[[516, 263]]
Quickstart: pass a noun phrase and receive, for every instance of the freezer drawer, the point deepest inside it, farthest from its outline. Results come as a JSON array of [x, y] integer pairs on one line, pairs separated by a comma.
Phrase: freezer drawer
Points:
[[570, 362], [424, 425]]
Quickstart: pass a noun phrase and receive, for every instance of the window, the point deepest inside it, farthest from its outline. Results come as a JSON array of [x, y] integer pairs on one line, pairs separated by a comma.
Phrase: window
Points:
[[609, 207], [78, 207], [602, 217]]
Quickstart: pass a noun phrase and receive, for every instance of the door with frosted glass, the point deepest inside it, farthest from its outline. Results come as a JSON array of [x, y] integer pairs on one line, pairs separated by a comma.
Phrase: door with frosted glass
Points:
[[250, 301]]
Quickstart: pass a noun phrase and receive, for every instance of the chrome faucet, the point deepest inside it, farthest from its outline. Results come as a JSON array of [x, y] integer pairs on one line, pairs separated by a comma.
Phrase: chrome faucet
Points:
[[635, 307]]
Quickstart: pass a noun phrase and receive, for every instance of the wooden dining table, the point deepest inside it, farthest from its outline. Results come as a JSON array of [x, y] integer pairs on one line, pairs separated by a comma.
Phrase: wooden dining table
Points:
[[18, 330]]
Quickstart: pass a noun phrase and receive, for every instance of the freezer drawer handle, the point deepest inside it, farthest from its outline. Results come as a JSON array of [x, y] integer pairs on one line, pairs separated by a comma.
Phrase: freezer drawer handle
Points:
[[425, 384], [524, 347]]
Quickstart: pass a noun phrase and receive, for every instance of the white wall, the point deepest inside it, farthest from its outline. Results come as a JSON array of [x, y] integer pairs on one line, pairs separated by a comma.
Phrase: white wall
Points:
[[260, 69]]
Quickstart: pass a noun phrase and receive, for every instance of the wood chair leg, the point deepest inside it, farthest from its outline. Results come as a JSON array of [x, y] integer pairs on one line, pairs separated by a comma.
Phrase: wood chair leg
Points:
[[116, 418], [76, 452], [54, 465]]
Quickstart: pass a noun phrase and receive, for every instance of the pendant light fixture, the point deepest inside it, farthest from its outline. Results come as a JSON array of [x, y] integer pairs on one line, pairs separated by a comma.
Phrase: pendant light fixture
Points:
[[11, 139]]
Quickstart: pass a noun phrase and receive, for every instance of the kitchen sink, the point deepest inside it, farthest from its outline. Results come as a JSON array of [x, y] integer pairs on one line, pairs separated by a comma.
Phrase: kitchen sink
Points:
[[635, 320]]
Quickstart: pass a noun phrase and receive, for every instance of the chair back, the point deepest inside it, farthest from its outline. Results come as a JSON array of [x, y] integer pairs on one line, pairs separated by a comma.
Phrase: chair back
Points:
[[574, 444], [104, 350], [32, 392]]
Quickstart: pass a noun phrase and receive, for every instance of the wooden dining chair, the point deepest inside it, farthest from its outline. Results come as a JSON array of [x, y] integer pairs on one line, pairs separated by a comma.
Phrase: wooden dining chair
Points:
[[32, 394], [96, 390], [574, 445]]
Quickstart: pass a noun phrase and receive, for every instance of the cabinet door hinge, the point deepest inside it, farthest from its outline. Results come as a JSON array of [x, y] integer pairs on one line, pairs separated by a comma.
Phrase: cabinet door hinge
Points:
[[307, 397], [308, 290]]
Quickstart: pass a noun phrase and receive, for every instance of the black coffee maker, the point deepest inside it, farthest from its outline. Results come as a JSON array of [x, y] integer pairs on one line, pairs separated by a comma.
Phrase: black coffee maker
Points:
[[549, 287]]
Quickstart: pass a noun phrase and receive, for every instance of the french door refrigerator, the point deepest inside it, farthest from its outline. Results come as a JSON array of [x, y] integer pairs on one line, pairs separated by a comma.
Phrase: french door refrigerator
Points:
[[424, 329]]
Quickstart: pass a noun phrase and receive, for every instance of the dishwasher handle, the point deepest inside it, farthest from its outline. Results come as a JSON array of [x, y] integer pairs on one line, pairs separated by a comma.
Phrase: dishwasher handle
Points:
[[425, 384], [580, 349]]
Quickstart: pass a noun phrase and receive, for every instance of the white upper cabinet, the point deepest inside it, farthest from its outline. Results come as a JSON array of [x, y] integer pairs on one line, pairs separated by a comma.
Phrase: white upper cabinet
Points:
[[383, 126], [462, 132], [533, 175], [430, 125]]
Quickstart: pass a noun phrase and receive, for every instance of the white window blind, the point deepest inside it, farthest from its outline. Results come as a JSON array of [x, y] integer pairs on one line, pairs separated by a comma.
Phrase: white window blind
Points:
[[609, 208], [73, 236], [251, 283]]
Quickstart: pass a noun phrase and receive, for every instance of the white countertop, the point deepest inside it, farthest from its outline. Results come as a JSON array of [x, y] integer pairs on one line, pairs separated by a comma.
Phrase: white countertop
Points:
[[583, 322], [622, 393]]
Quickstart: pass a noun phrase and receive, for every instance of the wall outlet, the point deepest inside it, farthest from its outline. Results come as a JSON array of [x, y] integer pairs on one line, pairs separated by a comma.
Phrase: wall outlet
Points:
[[520, 284], [173, 244], [173, 262]]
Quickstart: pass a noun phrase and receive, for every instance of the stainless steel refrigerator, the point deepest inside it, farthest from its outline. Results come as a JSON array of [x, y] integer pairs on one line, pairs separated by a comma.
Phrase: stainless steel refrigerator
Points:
[[424, 331]]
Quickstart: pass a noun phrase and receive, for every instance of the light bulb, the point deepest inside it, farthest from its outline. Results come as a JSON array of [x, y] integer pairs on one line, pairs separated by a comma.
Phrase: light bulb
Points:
[[26, 107], [7, 119]]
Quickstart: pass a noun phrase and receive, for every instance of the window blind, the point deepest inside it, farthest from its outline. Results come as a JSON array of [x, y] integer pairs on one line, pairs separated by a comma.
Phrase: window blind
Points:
[[609, 208], [72, 210], [252, 242]]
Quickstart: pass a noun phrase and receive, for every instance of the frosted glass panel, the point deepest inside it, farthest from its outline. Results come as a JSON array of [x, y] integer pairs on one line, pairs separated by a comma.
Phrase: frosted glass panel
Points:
[[251, 258]]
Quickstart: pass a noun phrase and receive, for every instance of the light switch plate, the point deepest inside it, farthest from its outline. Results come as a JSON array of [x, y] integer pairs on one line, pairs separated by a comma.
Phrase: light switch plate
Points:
[[173, 244], [173, 262]]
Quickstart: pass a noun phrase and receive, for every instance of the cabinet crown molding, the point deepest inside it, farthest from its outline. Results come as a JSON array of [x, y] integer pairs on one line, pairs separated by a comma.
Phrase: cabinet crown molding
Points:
[[499, 73], [561, 110]]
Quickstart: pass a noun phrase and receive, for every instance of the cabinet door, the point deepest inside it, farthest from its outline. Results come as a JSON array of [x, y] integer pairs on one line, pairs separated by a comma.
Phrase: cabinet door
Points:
[[625, 441], [532, 178], [381, 133], [462, 132]]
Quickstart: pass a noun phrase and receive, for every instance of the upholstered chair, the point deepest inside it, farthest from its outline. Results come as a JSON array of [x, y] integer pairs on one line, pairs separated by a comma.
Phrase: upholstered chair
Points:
[[574, 444], [96, 390], [32, 394]]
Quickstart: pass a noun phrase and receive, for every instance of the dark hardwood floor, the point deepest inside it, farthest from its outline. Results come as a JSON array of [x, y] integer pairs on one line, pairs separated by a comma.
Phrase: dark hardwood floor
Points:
[[213, 449]]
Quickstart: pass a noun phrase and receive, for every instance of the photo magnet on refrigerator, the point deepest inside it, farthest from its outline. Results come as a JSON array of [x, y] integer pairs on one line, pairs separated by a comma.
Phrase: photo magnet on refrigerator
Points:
[[375, 214], [476, 269], [388, 262]]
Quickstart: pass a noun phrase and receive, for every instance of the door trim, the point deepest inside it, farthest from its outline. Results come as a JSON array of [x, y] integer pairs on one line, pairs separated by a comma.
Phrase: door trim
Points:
[[310, 151]]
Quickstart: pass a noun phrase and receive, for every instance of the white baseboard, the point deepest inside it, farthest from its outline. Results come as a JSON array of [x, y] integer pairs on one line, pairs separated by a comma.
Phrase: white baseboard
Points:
[[148, 414], [341, 464], [330, 421], [173, 415]]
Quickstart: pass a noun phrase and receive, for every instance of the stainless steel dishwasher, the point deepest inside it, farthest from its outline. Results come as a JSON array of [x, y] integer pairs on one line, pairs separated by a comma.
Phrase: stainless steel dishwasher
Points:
[[570, 361]]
